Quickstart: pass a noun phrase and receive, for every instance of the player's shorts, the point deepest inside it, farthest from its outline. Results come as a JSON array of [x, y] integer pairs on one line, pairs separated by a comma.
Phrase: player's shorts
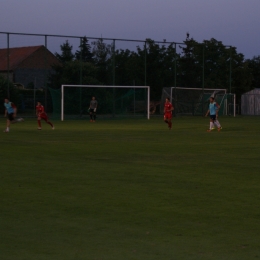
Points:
[[91, 110], [10, 116], [44, 116], [213, 117], [168, 116]]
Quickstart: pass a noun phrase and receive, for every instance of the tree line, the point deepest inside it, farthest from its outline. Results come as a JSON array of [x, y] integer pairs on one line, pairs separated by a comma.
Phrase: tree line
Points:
[[209, 64]]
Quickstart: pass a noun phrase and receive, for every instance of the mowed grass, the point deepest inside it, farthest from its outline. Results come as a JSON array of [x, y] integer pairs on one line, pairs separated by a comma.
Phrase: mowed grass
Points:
[[130, 189]]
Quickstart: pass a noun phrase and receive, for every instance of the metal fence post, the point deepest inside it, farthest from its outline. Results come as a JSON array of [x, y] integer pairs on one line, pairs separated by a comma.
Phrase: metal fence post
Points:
[[8, 67]]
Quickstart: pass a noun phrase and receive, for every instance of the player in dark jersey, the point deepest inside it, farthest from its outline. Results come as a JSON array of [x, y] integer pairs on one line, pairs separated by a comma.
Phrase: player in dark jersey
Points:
[[93, 109], [40, 113], [168, 108]]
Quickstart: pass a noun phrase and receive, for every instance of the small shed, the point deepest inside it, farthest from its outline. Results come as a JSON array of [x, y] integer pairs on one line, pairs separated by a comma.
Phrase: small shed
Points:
[[250, 102]]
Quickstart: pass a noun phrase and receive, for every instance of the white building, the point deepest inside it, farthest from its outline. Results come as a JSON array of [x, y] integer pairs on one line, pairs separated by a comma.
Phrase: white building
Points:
[[250, 102]]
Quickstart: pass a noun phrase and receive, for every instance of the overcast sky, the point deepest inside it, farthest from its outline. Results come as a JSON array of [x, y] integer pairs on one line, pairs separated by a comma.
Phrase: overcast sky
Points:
[[234, 22]]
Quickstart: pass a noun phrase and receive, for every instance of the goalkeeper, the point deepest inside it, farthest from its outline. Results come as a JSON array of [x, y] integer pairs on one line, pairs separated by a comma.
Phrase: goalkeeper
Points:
[[93, 109]]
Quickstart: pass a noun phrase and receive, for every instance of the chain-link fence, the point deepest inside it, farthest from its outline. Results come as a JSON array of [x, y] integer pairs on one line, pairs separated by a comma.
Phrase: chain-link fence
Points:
[[29, 60]]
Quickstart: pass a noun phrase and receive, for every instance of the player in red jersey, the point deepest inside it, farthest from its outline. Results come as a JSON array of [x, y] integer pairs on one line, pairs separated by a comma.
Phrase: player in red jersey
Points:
[[168, 107], [42, 115]]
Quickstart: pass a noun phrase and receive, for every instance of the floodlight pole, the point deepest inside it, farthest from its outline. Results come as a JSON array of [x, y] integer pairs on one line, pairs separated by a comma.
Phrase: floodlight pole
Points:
[[113, 62], [114, 77], [148, 102], [80, 77], [148, 91], [203, 75], [81, 64], [175, 66], [145, 63], [230, 68], [234, 105], [34, 95], [45, 72], [175, 79], [62, 103], [8, 67]]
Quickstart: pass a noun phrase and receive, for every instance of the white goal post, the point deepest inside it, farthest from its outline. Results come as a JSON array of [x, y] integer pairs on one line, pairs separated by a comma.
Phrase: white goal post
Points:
[[63, 87]]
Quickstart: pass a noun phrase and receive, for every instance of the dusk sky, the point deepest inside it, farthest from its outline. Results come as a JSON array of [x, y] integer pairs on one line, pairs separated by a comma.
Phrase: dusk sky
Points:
[[234, 22]]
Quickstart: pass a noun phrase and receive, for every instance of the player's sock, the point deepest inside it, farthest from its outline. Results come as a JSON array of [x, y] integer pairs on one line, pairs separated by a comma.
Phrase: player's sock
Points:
[[166, 121], [217, 123], [39, 123], [170, 125], [211, 125], [91, 117], [48, 122]]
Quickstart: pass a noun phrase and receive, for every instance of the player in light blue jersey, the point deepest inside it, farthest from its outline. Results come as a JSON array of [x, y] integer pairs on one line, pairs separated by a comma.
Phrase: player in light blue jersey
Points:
[[10, 113], [213, 112]]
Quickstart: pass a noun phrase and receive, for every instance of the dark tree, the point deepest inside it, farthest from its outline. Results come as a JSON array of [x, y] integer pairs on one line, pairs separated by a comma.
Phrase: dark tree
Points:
[[190, 64], [84, 53], [218, 65], [160, 66], [254, 66], [127, 68], [69, 73], [102, 59], [66, 53]]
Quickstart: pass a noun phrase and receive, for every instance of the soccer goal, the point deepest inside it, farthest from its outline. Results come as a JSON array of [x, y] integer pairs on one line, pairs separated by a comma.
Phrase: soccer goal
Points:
[[113, 101], [194, 101]]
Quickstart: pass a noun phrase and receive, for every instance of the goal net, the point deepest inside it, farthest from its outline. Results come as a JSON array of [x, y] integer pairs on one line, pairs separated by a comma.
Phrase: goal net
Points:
[[72, 101], [195, 101]]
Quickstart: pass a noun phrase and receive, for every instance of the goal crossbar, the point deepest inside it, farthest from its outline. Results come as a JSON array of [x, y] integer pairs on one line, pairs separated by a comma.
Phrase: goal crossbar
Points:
[[103, 86], [201, 89]]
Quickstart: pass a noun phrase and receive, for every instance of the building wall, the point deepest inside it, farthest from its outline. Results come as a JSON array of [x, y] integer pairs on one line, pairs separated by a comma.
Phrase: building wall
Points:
[[37, 76], [250, 102]]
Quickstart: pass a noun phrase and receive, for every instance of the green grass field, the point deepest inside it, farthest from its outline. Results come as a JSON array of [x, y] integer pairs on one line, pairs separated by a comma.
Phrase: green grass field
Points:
[[130, 189]]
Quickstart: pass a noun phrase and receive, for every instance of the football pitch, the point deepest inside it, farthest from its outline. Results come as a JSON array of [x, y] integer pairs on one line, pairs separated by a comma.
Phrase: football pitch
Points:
[[130, 190]]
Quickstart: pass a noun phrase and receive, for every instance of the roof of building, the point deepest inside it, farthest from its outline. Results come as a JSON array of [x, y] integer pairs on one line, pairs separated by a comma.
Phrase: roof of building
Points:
[[253, 91], [16, 56]]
